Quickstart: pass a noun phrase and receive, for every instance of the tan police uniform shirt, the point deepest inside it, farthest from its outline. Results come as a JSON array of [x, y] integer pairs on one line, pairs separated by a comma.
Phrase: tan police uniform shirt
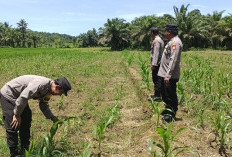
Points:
[[157, 48], [23, 88], [170, 61]]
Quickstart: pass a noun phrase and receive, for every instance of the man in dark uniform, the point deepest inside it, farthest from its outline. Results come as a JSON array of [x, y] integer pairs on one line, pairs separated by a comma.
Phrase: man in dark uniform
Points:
[[157, 48], [17, 114], [170, 72]]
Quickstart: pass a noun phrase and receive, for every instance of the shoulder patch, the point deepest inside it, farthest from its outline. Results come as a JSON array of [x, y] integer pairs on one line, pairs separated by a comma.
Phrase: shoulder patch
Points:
[[154, 43], [174, 46]]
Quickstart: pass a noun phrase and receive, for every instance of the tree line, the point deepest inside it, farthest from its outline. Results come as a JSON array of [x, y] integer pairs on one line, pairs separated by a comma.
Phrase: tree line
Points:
[[197, 31]]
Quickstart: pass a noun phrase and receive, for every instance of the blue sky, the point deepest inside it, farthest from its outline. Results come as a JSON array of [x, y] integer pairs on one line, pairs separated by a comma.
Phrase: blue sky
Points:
[[78, 16]]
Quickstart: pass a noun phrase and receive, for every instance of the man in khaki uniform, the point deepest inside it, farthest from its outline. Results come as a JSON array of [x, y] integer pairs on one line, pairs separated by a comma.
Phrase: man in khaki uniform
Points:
[[17, 115], [170, 72], [157, 48]]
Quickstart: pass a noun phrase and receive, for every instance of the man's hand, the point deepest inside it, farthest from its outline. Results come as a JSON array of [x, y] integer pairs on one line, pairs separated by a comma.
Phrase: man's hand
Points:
[[152, 67], [166, 80], [15, 122], [54, 119]]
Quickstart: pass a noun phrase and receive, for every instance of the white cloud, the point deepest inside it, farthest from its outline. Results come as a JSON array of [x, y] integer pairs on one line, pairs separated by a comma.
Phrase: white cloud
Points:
[[130, 17]]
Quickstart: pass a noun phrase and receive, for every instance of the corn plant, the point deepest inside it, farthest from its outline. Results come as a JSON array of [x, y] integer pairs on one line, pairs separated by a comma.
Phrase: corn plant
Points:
[[145, 72], [187, 74], [101, 128], [202, 116], [207, 88], [166, 149], [47, 146], [180, 92], [86, 152], [130, 59], [221, 130], [64, 135], [119, 92], [218, 102], [157, 110]]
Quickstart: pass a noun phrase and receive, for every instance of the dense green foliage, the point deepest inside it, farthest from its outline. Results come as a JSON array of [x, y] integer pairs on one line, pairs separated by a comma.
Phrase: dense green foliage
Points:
[[195, 30]]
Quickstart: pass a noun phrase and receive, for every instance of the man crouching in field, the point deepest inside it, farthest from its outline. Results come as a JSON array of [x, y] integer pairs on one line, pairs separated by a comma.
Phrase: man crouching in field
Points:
[[17, 115]]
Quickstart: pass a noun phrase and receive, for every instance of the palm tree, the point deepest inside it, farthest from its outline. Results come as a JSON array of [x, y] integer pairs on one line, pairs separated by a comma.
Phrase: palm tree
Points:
[[116, 32], [140, 30], [216, 30], [1, 33], [224, 29], [6, 33], [22, 25], [193, 28]]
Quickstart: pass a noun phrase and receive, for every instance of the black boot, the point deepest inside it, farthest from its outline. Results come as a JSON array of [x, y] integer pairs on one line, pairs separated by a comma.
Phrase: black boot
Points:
[[168, 115], [14, 152], [23, 148]]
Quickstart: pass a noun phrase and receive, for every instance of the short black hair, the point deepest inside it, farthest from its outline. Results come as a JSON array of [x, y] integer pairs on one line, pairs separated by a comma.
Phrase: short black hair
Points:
[[154, 30]]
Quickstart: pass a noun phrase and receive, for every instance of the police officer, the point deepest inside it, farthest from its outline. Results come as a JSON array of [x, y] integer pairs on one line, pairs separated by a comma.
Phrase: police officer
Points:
[[157, 47], [170, 72], [17, 115]]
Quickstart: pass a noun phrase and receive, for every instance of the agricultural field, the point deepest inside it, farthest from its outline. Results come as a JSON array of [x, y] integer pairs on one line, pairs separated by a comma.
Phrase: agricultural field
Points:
[[107, 113]]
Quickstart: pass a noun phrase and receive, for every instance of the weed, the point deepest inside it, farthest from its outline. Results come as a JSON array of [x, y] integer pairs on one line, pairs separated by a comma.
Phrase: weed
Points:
[[61, 102]]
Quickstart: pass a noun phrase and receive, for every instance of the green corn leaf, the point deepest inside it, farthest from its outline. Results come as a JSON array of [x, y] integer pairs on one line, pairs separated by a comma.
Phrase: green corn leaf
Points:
[[161, 147], [180, 130]]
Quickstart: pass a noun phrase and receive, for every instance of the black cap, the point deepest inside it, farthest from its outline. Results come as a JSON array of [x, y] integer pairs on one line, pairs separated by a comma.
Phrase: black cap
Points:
[[172, 28], [64, 84], [154, 30]]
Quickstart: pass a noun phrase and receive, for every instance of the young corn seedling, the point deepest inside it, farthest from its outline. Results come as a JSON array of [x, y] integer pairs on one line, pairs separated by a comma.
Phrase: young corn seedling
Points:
[[145, 72], [221, 130], [166, 149], [119, 92], [180, 92], [218, 102], [64, 135], [101, 128], [130, 59], [202, 116], [86, 152], [157, 110], [47, 146]]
